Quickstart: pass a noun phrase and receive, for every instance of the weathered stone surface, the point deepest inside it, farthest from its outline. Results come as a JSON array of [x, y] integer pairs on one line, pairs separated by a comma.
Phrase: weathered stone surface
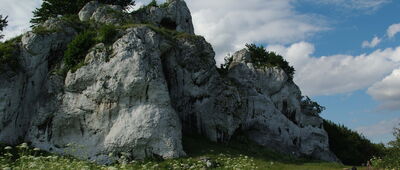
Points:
[[138, 95], [174, 15], [114, 104], [275, 117], [101, 13], [87, 11], [22, 91]]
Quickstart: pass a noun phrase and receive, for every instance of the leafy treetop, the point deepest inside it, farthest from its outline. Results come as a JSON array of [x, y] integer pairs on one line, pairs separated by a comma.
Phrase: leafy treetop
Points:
[[396, 143], [349, 146], [3, 24], [53, 8], [313, 107], [260, 57]]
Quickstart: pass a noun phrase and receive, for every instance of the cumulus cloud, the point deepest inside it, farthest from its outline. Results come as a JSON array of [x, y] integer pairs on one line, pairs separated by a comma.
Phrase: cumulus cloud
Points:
[[379, 131], [336, 74], [229, 24], [387, 91], [374, 42], [393, 30], [19, 13]]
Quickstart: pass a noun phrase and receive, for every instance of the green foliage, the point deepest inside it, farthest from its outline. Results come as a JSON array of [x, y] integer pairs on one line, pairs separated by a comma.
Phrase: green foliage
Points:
[[396, 142], [77, 49], [164, 5], [260, 57], [42, 30], [106, 34], [3, 24], [234, 155], [54, 8], [310, 106], [8, 53], [391, 158], [223, 69], [349, 146], [153, 3]]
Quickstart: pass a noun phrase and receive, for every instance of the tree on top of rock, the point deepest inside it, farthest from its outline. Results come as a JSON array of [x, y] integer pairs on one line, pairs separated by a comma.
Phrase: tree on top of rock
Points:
[[53, 8], [260, 57], [3, 23]]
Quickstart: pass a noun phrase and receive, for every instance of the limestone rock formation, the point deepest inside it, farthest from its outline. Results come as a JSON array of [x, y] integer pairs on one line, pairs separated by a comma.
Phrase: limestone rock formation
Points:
[[140, 94]]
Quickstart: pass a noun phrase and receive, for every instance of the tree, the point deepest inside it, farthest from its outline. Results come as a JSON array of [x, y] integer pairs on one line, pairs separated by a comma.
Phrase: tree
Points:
[[312, 107], [391, 159], [349, 146], [3, 24], [53, 8], [396, 142], [260, 57]]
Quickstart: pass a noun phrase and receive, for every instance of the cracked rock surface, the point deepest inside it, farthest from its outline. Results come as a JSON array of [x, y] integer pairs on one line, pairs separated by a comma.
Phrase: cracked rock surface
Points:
[[143, 92]]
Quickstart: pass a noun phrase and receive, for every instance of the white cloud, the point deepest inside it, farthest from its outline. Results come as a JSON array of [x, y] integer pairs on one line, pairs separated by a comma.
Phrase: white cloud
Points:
[[229, 24], [354, 4], [387, 91], [393, 30], [19, 13], [379, 131], [335, 74], [374, 42]]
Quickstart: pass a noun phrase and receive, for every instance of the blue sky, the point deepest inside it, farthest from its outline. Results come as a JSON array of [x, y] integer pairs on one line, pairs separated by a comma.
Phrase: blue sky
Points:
[[349, 27], [346, 52]]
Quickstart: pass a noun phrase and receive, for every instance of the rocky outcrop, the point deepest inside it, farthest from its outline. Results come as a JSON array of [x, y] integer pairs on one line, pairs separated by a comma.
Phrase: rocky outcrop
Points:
[[274, 113], [21, 90], [140, 94], [174, 14], [113, 105]]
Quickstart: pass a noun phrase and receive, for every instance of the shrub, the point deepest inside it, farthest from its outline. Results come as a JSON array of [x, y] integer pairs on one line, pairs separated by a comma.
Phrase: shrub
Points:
[[223, 69], [43, 30], [153, 3], [8, 51], [260, 57], [77, 49], [349, 146], [106, 34], [312, 107], [391, 158]]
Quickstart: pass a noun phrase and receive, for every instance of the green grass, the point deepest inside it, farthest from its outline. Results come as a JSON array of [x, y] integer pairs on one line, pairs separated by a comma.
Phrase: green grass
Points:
[[234, 155]]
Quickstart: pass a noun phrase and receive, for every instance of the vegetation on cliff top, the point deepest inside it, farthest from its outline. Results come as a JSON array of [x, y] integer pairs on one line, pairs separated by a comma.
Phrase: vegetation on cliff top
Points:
[[8, 52], [55, 8], [260, 57]]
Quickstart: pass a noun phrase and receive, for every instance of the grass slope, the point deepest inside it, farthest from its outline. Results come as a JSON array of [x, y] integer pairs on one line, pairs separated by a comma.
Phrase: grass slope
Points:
[[234, 155]]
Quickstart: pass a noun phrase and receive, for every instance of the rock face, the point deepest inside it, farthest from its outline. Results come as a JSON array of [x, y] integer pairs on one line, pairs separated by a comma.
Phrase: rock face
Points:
[[174, 14], [143, 92]]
